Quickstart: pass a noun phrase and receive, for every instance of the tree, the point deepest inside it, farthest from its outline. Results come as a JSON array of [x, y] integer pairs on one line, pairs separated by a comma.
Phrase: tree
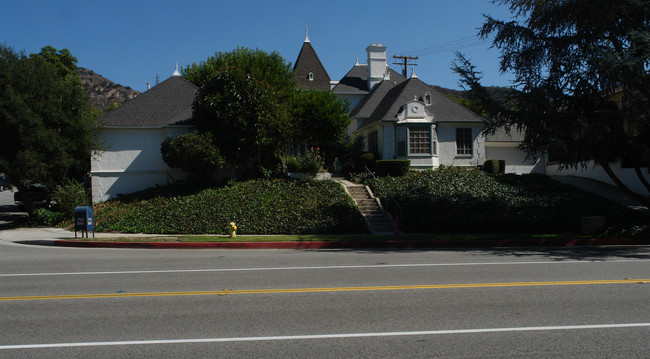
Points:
[[245, 116], [47, 127], [321, 119], [244, 101], [194, 153], [570, 58]]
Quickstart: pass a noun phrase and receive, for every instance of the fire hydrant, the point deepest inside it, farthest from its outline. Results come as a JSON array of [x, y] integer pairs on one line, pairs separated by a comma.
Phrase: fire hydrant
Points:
[[233, 229]]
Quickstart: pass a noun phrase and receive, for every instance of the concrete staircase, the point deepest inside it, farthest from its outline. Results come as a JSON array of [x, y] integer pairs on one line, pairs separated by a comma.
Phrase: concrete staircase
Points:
[[378, 221]]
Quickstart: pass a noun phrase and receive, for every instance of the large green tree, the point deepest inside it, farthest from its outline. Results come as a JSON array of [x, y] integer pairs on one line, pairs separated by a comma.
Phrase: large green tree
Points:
[[246, 116], [47, 128], [581, 78]]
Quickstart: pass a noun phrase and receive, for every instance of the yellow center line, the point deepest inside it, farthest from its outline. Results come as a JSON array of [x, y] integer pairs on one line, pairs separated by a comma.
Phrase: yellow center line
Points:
[[333, 289]]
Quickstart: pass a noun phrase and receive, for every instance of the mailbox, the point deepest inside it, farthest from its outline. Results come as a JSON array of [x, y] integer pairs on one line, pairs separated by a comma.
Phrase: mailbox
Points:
[[84, 220]]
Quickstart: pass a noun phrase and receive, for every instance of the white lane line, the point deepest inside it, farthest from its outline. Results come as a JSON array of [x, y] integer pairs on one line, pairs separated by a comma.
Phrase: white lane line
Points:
[[324, 336], [322, 267]]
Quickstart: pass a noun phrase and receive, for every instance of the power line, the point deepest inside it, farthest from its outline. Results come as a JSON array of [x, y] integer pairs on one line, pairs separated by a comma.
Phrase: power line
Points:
[[457, 44]]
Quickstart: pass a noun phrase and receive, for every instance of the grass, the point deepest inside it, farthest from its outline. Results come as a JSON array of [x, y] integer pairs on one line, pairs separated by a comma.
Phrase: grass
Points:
[[339, 238]]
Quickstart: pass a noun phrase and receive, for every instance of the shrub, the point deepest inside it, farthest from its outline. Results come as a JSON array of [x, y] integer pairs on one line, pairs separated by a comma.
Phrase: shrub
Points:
[[45, 217], [495, 166], [311, 162], [366, 159], [292, 164], [395, 168], [70, 195], [194, 153]]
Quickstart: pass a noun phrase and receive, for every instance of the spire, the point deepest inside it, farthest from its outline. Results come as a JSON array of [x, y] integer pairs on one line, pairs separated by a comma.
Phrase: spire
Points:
[[176, 73], [306, 34], [413, 75]]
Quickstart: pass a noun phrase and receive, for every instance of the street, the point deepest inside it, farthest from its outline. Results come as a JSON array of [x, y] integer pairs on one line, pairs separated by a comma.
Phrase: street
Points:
[[553, 302]]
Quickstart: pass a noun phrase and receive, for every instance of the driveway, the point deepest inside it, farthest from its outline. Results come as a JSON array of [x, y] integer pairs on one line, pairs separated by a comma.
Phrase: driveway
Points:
[[8, 211], [605, 190]]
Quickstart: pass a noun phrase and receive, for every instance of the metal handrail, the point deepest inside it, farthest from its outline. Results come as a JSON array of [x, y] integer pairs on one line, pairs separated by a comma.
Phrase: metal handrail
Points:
[[396, 217]]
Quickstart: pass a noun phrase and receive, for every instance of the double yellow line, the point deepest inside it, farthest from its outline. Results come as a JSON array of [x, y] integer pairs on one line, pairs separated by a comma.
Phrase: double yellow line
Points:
[[333, 289]]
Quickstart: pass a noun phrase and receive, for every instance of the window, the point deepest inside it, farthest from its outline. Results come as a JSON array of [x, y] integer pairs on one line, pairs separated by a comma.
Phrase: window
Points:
[[419, 140], [415, 140], [373, 145], [427, 99], [311, 76], [464, 141], [401, 141]]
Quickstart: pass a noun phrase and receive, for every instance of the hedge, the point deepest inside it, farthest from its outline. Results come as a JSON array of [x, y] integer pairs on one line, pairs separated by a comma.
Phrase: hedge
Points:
[[257, 207], [454, 199], [494, 166], [395, 168]]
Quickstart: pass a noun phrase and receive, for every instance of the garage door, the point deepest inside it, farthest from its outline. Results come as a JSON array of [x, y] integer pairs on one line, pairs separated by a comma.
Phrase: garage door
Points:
[[516, 161]]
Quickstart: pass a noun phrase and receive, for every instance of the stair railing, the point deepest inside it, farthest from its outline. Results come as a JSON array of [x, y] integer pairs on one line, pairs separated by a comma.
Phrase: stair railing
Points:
[[391, 206]]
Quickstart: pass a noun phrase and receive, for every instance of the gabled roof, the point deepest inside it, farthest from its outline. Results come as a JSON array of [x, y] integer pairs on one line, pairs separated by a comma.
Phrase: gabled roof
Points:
[[356, 81], [168, 103], [308, 62], [385, 102]]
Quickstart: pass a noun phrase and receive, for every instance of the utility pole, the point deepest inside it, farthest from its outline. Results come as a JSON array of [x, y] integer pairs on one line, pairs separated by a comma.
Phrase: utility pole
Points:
[[405, 63]]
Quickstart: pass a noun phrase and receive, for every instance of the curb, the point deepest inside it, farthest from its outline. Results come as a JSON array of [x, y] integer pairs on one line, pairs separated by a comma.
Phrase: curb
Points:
[[394, 244]]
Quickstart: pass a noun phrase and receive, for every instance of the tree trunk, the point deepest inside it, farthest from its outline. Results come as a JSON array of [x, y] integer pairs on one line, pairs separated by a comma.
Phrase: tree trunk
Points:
[[641, 199], [642, 178]]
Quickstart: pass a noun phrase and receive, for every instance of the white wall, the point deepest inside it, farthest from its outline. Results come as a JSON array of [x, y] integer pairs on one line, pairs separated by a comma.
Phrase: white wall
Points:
[[131, 162], [447, 145], [516, 161], [626, 175]]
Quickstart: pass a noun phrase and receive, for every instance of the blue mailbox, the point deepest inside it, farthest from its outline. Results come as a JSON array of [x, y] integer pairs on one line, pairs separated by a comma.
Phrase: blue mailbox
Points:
[[84, 220]]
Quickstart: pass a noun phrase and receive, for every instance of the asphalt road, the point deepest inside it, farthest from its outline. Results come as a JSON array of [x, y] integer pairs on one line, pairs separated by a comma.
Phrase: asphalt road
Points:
[[505, 303]]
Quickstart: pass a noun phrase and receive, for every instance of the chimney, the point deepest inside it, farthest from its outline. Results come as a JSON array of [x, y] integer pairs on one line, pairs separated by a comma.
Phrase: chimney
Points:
[[148, 86], [377, 66]]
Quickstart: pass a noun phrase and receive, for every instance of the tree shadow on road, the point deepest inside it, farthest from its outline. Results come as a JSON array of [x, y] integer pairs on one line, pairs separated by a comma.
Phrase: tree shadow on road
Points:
[[582, 253]]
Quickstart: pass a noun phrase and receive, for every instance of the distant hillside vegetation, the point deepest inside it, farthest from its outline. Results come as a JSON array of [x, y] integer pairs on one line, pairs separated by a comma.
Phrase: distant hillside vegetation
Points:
[[103, 92]]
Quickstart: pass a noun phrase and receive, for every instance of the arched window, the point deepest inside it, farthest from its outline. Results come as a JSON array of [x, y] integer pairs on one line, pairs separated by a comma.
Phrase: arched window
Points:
[[311, 76]]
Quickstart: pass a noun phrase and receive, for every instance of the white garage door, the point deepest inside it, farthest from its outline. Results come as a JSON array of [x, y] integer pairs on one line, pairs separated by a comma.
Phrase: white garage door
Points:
[[516, 161]]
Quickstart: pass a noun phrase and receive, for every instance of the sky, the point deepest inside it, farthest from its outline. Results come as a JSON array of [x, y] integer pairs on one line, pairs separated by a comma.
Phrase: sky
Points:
[[132, 42]]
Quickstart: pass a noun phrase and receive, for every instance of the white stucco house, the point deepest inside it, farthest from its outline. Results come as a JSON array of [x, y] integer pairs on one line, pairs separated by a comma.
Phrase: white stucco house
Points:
[[132, 134], [405, 118]]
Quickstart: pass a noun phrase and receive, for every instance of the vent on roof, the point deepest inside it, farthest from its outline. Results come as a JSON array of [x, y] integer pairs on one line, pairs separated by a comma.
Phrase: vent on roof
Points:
[[311, 76]]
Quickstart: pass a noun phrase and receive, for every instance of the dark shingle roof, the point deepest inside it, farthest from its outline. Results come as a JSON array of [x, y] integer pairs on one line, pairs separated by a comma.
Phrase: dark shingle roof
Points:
[[307, 62], [356, 80], [389, 99], [168, 103]]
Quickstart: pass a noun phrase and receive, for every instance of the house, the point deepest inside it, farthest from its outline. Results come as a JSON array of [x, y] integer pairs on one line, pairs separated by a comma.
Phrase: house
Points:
[[402, 118], [132, 134]]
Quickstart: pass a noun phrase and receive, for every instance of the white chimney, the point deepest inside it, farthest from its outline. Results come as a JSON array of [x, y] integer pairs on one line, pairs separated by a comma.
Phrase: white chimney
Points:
[[377, 66]]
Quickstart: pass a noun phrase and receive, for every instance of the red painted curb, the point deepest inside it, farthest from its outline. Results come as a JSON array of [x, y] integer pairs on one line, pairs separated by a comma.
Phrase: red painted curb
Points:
[[397, 244]]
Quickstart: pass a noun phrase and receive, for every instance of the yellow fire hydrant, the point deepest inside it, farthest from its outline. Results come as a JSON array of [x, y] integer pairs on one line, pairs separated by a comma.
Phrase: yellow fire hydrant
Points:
[[233, 229]]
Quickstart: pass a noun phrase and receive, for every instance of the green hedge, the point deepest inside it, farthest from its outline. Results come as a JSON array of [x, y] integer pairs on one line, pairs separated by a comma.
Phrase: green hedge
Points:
[[495, 166], [258, 207], [395, 168], [454, 199]]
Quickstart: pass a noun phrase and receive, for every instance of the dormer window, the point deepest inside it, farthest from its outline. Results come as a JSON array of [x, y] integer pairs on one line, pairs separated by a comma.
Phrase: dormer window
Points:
[[427, 99], [311, 76]]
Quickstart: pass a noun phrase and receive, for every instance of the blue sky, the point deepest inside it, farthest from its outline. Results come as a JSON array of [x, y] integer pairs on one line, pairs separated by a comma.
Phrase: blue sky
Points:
[[130, 42]]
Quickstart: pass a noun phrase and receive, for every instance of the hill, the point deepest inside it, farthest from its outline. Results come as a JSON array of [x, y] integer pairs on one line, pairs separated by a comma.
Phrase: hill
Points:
[[103, 92]]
